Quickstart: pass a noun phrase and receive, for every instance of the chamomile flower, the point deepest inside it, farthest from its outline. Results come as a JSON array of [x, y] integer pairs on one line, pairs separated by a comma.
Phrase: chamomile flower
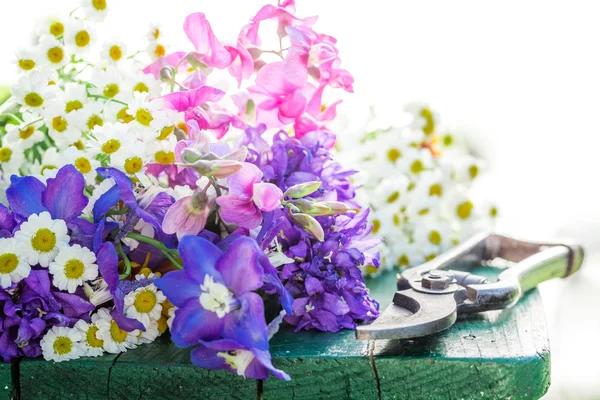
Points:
[[13, 267], [27, 59], [72, 266], [94, 10], [79, 36], [151, 333], [26, 134], [33, 92], [424, 118], [112, 140], [462, 208], [113, 52], [61, 344], [53, 53], [107, 82], [83, 161], [132, 160], [116, 340], [98, 191], [154, 33], [53, 26], [156, 50], [142, 83], [43, 237], [93, 115], [416, 161], [147, 115], [52, 160], [434, 232], [75, 97], [12, 158], [90, 343], [144, 304], [161, 152], [64, 128]]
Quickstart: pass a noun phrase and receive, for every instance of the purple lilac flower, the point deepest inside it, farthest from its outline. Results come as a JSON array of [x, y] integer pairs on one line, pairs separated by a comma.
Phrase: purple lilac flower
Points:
[[326, 281]]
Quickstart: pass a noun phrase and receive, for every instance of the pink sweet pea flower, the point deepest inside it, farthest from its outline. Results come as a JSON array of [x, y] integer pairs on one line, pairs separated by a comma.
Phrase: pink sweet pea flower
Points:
[[170, 60], [212, 52], [242, 64], [186, 217], [247, 197]]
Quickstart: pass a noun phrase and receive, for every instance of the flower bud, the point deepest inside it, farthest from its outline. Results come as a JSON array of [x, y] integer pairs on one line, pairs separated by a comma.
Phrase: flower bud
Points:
[[166, 74], [311, 207], [310, 225], [336, 207], [302, 189], [190, 155], [224, 168]]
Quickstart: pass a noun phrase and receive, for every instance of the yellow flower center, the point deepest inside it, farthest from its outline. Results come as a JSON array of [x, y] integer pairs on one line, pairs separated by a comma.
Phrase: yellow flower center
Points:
[[464, 210], [473, 171], [376, 226], [133, 165], [393, 154], [403, 260], [94, 121], [417, 167], [118, 334], [393, 197], [27, 132], [435, 237], [91, 339], [141, 87], [396, 219], [111, 146], [26, 65], [57, 29], [183, 126], [73, 105], [430, 257], [166, 132], [493, 212], [47, 168], [115, 53], [159, 50], [164, 158], [82, 38], [447, 140], [74, 269], [83, 165], [8, 263], [436, 190], [423, 211], [5, 154], [56, 54], [79, 145], [111, 90], [143, 117], [62, 345], [145, 301], [371, 269], [411, 186], [429, 123], [122, 116], [156, 33], [59, 124], [33, 99], [43, 241], [99, 5]]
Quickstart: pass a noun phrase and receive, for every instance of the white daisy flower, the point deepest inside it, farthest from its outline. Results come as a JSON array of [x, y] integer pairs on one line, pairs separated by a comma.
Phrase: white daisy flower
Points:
[[415, 161], [43, 237], [53, 52], [150, 334], [144, 304], [161, 152], [72, 266], [113, 52], [132, 160], [91, 343], [147, 115], [64, 128], [13, 267], [83, 161], [435, 232], [95, 10], [112, 140], [171, 313], [27, 59], [424, 118], [115, 339], [98, 191], [79, 36], [75, 97], [156, 50], [52, 160], [93, 114], [107, 83], [142, 83], [154, 32], [12, 158], [33, 92], [61, 344], [52, 26], [27, 134]]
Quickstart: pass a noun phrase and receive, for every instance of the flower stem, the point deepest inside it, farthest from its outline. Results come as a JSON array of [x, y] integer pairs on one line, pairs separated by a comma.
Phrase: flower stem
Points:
[[98, 96], [13, 117], [160, 246], [125, 260]]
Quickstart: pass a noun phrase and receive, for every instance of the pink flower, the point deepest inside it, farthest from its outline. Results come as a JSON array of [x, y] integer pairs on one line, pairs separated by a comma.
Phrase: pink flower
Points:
[[170, 60], [187, 216], [242, 64], [212, 52], [247, 197]]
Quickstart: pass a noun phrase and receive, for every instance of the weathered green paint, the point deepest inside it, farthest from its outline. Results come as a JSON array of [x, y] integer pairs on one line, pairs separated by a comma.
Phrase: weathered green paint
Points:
[[490, 355]]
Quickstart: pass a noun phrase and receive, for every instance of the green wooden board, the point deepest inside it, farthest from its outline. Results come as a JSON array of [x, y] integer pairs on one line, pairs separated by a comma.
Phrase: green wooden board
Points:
[[500, 354]]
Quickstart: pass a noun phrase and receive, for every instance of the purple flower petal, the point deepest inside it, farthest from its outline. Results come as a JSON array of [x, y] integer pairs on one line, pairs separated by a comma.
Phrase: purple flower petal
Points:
[[25, 195], [263, 358], [193, 323], [73, 305], [108, 265], [178, 288], [199, 258], [7, 219], [207, 358], [8, 348], [127, 324], [64, 196], [247, 326], [240, 267]]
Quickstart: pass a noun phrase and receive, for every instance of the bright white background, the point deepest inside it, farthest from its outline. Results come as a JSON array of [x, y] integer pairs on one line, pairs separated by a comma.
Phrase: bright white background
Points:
[[520, 79]]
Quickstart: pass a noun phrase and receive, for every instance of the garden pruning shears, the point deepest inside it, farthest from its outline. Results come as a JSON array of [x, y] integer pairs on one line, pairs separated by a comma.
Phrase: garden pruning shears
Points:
[[430, 296]]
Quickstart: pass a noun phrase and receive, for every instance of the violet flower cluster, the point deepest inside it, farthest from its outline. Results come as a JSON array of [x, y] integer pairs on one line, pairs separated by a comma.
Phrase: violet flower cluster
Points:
[[146, 196]]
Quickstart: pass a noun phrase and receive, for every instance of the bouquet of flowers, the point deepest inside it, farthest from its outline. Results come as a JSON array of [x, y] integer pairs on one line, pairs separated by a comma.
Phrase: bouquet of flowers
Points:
[[193, 191], [417, 178]]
